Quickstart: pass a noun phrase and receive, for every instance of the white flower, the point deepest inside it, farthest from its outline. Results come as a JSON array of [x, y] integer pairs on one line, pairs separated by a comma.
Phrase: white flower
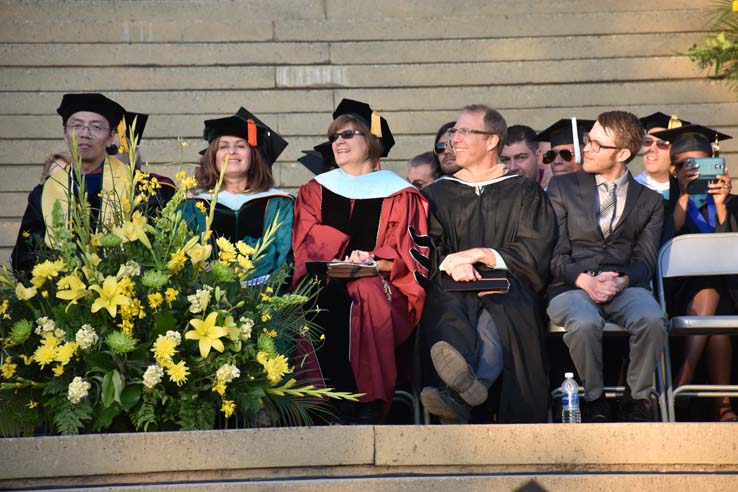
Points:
[[45, 325], [78, 389], [153, 376], [130, 269], [174, 335], [86, 337], [227, 373], [246, 325], [199, 300]]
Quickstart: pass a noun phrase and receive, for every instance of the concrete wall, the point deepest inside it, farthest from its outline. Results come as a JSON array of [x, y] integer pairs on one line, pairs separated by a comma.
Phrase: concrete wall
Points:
[[291, 61]]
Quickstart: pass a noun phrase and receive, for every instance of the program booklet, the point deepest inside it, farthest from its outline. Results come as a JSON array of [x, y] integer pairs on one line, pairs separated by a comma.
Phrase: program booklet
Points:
[[342, 269]]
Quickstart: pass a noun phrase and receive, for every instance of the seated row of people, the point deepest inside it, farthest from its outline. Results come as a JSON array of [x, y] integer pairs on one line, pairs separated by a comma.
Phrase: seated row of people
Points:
[[591, 240]]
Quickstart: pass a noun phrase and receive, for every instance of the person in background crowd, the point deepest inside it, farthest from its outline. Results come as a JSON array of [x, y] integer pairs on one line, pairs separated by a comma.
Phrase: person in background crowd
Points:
[[247, 204], [565, 137], [484, 218], [520, 152], [443, 151], [360, 214], [546, 173], [714, 211], [422, 170], [609, 235], [89, 121]]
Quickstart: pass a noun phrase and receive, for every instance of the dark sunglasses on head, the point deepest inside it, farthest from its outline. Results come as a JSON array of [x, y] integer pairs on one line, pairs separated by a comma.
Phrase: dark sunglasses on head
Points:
[[441, 147], [550, 155], [661, 144], [346, 135]]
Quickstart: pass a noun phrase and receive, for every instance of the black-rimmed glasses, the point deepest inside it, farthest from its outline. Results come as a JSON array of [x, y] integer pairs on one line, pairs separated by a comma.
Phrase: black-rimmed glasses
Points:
[[94, 128], [346, 135], [595, 146]]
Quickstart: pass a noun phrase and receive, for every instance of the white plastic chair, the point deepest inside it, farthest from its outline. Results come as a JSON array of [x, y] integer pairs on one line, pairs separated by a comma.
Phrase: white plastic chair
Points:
[[698, 255]]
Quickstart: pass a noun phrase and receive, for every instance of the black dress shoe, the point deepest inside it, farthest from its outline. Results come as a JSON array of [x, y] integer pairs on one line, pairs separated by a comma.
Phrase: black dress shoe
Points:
[[596, 411], [637, 410]]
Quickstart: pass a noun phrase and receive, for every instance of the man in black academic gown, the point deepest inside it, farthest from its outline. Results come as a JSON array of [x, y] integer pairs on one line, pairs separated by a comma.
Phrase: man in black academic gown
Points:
[[485, 218], [91, 119], [609, 233]]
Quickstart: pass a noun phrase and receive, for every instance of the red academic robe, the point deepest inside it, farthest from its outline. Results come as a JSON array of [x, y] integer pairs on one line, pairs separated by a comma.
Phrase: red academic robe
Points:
[[377, 326]]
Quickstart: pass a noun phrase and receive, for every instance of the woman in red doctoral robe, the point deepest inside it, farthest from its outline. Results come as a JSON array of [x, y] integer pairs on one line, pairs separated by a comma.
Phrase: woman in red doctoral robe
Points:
[[359, 214]]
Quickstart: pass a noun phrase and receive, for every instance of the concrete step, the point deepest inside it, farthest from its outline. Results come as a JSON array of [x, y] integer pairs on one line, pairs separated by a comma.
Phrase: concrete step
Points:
[[487, 457]]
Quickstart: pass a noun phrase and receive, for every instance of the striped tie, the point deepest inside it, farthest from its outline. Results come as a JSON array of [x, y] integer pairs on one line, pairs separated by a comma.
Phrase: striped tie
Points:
[[607, 209]]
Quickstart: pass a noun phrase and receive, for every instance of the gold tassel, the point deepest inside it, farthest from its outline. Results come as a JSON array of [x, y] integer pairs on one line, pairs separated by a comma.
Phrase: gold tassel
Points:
[[716, 147], [376, 129], [251, 132], [674, 122], [122, 140]]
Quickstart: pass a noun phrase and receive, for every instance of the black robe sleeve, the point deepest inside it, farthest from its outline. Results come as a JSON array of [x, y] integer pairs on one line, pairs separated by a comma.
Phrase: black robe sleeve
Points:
[[30, 235]]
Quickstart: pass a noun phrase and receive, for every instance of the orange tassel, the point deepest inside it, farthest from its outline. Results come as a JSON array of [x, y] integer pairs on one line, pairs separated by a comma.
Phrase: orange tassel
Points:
[[122, 140], [251, 132]]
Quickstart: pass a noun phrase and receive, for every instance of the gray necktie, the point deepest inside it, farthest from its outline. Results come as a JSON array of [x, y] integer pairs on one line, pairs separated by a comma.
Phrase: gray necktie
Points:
[[607, 209]]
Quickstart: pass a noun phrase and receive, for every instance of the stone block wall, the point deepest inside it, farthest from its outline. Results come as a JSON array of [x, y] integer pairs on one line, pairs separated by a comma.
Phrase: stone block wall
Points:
[[291, 61]]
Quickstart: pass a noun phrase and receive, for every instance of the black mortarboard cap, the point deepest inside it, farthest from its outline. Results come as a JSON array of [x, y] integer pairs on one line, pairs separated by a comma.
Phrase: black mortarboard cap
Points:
[[378, 126], [92, 102], [661, 120], [320, 159], [140, 119], [693, 137], [561, 132], [245, 125]]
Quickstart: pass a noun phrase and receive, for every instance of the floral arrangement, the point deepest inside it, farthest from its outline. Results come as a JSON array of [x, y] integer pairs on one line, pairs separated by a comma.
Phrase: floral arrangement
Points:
[[720, 51], [142, 326]]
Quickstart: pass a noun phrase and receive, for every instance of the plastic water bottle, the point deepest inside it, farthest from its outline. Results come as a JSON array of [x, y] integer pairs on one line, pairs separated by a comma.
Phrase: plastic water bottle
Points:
[[570, 413]]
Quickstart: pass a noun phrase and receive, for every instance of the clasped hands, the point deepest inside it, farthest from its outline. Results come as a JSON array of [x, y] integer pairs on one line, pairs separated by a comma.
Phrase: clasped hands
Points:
[[603, 286], [358, 256]]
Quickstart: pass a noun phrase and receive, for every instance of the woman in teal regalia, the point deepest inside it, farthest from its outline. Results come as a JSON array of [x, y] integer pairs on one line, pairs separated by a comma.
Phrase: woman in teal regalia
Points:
[[247, 204]]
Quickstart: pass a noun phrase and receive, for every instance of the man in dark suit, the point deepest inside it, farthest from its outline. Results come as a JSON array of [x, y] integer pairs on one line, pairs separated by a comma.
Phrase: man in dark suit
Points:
[[609, 233]]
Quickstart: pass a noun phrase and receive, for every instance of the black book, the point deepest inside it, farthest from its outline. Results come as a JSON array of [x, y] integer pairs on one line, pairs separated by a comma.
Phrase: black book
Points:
[[492, 281]]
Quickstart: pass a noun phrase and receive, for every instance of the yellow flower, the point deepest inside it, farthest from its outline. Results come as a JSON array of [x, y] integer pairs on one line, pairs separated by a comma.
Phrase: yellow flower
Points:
[[265, 298], [170, 295], [228, 407], [269, 290], [58, 370], [71, 288], [65, 352], [27, 359], [207, 333], [110, 297], [26, 234], [199, 253], [226, 250], [46, 352], [265, 317], [24, 293], [274, 367], [95, 239], [32, 404], [8, 369], [735, 5], [155, 300], [4, 309], [181, 174], [178, 261], [164, 349], [178, 373], [219, 387], [245, 249], [201, 207], [127, 232], [126, 286], [245, 263], [46, 270]]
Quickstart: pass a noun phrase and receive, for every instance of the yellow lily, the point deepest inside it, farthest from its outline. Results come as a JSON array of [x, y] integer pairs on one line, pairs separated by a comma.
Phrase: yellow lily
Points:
[[207, 333], [73, 288], [110, 296]]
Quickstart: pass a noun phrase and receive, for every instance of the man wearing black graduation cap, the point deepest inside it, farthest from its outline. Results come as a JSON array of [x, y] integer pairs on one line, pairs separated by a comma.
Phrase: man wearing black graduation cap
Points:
[[90, 121], [605, 257], [565, 137]]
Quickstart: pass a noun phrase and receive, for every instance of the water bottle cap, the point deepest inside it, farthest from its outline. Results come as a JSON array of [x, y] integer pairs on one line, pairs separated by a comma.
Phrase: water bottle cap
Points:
[[568, 375]]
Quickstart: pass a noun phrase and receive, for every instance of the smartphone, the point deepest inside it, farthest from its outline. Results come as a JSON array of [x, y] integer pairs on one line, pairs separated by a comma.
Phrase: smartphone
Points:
[[709, 168]]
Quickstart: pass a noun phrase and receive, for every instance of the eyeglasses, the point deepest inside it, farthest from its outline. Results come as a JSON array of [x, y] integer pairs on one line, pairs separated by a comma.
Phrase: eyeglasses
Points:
[[467, 131], [660, 144], [550, 155], [441, 147], [346, 135], [595, 146], [94, 128]]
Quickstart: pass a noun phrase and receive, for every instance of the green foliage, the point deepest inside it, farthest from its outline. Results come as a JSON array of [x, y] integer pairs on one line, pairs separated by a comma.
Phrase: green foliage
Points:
[[719, 53]]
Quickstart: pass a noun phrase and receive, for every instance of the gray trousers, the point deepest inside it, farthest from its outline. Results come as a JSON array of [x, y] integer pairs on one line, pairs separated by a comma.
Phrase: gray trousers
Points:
[[636, 310]]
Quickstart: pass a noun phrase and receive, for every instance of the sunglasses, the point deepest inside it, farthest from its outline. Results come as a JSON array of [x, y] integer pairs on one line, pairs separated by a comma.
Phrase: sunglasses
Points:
[[346, 135], [550, 155], [441, 147], [660, 144]]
